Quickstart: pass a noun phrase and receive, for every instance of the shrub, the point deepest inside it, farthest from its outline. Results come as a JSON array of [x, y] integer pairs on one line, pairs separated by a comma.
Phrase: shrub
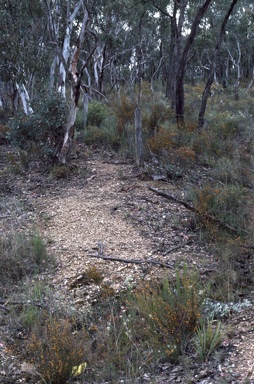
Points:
[[105, 135], [171, 312], [57, 349], [123, 109], [59, 172], [209, 146], [97, 112], [224, 202], [224, 124], [79, 123], [20, 256], [158, 114], [164, 140], [40, 133]]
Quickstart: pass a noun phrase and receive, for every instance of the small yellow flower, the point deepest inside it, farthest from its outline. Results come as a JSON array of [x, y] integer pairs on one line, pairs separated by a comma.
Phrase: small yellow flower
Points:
[[78, 369]]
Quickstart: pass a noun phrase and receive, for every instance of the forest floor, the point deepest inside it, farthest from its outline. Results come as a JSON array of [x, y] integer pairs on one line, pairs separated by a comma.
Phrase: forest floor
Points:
[[105, 209]]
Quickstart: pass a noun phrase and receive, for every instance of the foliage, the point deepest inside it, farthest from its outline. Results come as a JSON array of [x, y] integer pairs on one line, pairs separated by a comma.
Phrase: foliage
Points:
[[171, 312], [157, 114], [104, 135], [59, 172], [207, 338], [56, 348], [20, 256], [3, 133], [32, 297], [214, 309], [123, 109], [225, 124], [163, 140], [40, 133], [97, 112], [223, 202], [79, 123]]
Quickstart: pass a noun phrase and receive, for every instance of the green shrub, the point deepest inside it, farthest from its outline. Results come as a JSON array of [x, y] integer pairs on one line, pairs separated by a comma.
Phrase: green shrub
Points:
[[20, 257], [105, 135], [59, 172], [97, 112], [41, 133], [225, 124], [79, 123]]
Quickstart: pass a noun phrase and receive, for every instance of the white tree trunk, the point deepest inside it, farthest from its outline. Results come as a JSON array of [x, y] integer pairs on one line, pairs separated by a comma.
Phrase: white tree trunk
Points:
[[85, 107], [24, 99], [66, 48], [75, 91]]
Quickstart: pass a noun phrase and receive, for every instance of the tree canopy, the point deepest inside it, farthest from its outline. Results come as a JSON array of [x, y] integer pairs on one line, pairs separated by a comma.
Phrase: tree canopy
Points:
[[95, 48]]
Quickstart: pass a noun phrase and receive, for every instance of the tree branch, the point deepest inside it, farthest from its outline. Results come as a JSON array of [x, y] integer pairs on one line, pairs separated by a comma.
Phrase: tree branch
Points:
[[112, 258], [192, 209]]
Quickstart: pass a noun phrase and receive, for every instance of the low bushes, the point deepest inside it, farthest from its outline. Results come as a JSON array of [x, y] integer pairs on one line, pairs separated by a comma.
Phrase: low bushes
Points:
[[20, 257]]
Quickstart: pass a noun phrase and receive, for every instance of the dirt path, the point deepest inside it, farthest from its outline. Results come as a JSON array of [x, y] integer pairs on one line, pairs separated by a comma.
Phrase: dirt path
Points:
[[106, 215], [91, 217], [107, 210]]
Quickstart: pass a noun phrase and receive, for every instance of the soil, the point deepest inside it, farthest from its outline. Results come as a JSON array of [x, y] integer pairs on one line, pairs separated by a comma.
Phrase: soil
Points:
[[105, 211]]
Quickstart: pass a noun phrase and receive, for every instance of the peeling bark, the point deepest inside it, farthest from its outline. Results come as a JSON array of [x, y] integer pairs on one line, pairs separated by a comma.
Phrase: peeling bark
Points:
[[24, 99], [75, 79]]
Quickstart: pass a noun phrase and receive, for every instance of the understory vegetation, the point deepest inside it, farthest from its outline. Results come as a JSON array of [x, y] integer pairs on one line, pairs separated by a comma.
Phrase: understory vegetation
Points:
[[157, 321]]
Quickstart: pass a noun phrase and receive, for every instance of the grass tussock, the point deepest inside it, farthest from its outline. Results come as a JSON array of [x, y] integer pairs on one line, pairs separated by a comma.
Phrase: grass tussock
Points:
[[21, 256]]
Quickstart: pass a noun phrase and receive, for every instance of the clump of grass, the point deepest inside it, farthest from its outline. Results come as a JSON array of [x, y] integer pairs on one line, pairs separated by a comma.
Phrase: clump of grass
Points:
[[91, 275], [20, 256], [207, 338], [59, 172], [225, 203], [56, 348], [94, 274], [31, 299]]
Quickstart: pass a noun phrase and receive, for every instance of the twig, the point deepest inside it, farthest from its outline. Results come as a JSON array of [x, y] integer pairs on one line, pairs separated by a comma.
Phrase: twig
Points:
[[3, 304], [248, 246], [192, 209], [111, 258], [4, 308], [171, 249]]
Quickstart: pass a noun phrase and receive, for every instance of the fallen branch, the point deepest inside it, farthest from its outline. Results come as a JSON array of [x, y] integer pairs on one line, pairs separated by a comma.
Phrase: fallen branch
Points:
[[111, 258], [248, 246], [3, 304], [192, 209], [4, 308], [172, 249]]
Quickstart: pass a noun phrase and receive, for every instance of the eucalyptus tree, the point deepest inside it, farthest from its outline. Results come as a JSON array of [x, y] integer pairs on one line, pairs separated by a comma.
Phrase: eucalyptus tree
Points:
[[210, 80], [69, 50], [22, 35], [202, 9]]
